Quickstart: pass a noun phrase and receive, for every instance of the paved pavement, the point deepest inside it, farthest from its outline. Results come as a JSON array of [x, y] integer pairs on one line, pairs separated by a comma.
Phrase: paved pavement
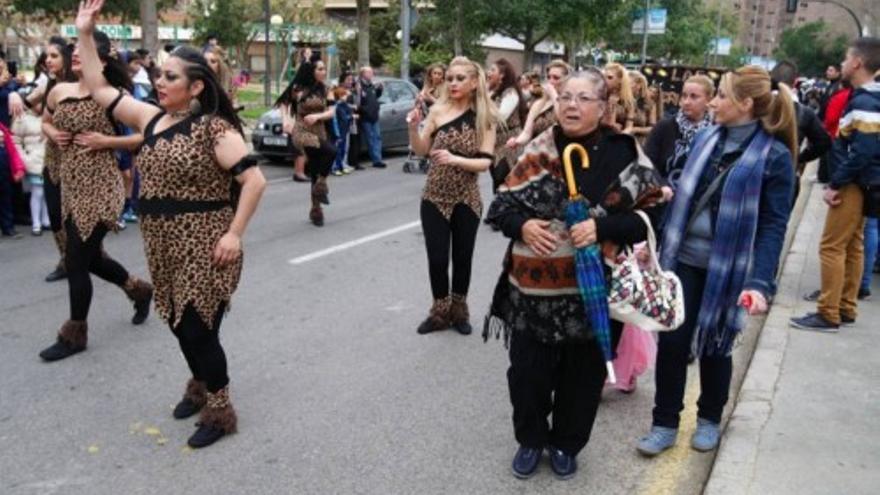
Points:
[[806, 419], [335, 391]]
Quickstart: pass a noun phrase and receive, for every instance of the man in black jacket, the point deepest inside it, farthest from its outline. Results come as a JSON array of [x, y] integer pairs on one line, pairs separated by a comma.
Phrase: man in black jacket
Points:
[[368, 112]]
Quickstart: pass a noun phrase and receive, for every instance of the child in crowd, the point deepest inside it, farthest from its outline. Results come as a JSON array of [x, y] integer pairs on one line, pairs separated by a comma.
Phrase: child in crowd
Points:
[[342, 122]]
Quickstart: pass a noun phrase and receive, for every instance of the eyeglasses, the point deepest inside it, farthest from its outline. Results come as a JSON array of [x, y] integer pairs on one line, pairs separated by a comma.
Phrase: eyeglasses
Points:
[[582, 99]]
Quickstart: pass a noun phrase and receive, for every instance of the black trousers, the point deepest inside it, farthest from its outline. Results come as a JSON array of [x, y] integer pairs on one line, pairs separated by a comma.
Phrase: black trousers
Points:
[[200, 345], [7, 195], [52, 193], [673, 350], [460, 231], [83, 258], [320, 160], [564, 379]]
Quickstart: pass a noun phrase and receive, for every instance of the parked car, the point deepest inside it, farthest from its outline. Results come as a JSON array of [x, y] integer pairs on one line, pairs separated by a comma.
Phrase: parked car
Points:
[[398, 98]]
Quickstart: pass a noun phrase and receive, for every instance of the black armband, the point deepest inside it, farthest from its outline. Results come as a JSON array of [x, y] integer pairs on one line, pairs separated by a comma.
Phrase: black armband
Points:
[[242, 165], [488, 156]]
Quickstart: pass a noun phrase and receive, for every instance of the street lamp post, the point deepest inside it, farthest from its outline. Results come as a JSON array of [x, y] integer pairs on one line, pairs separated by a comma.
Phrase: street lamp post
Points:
[[276, 21], [267, 81]]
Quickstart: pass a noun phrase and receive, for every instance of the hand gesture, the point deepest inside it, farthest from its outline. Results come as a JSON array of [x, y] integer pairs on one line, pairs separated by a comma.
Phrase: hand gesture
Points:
[[443, 157], [91, 140], [310, 119], [414, 117], [87, 16], [61, 138], [538, 236], [832, 197], [227, 250], [583, 234], [16, 105]]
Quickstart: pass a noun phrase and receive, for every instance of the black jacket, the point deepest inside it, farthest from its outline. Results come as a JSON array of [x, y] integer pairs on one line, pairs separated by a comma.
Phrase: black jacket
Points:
[[660, 145], [809, 127], [369, 104]]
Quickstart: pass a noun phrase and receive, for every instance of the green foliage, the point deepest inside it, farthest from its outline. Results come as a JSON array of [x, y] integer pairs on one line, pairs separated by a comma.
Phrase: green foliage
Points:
[[59, 9], [227, 19], [811, 47]]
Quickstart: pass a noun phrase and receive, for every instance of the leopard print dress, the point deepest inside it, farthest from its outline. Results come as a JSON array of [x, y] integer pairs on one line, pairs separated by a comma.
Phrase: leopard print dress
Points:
[[52, 161], [448, 185], [544, 121], [93, 193], [309, 136], [179, 164], [505, 158]]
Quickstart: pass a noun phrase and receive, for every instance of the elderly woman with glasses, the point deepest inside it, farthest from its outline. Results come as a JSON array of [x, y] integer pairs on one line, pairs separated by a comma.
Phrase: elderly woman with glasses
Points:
[[556, 365]]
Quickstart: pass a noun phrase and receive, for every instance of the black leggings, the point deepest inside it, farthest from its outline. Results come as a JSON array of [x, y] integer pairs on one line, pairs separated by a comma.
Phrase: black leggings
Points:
[[200, 345], [320, 160], [461, 231], [84, 257], [52, 193]]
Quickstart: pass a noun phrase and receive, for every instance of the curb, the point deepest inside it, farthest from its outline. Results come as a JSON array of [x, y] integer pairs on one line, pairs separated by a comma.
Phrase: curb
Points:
[[736, 460]]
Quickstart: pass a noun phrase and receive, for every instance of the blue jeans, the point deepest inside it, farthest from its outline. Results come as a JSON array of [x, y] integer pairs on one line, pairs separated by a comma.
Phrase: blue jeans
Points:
[[871, 239], [341, 152], [371, 132]]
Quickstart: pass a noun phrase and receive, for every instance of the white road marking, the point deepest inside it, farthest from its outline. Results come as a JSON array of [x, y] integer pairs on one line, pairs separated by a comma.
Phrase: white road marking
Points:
[[350, 244]]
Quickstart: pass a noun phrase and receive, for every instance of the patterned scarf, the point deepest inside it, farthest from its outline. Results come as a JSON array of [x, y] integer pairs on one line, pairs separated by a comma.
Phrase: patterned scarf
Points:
[[688, 129], [720, 319]]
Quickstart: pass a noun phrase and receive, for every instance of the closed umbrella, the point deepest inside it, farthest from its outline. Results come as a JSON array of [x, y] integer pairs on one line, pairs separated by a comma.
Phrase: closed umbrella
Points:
[[589, 267]]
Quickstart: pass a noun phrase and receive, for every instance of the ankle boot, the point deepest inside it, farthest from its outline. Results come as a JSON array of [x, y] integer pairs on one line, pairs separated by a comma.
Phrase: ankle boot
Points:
[[459, 315], [72, 338], [194, 399], [217, 419], [438, 317], [59, 273], [321, 190], [141, 293]]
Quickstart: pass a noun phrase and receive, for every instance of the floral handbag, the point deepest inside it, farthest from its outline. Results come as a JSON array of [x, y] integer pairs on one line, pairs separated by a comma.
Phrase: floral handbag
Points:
[[646, 297]]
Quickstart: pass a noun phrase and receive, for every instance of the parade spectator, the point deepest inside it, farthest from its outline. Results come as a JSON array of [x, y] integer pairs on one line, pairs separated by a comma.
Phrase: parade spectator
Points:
[[670, 140], [342, 122], [435, 76], [368, 112], [556, 365], [28, 138], [723, 236], [8, 85], [645, 114], [621, 104], [852, 194]]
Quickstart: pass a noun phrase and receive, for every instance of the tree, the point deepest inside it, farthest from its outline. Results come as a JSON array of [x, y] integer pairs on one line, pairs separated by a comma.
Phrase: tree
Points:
[[585, 23], [526, 21], [812, 47], [59, 9], [149, 25], [229, 20], [363, 32]]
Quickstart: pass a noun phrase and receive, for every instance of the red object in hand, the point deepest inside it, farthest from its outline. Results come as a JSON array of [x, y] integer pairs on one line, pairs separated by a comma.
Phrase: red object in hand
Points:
[[746, 301]]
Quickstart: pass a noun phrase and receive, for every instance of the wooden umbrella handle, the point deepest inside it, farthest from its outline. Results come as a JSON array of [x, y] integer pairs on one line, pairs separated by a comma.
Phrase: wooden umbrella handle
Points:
[[569, 172]]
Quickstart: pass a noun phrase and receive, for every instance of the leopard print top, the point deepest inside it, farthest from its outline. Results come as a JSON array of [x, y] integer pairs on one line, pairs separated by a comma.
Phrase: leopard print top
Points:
[[92, 191], [179, 163], [313, 135], [448, 185], [544, 121], [513, 127], [52, 161]]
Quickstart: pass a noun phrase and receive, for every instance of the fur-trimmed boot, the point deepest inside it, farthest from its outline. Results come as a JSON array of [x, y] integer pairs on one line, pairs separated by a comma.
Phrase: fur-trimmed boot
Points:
[[60, 272], [194, 399], [459, 315], [438, 317], [316, 214], [217, 419], [72, 338], [141, 294]]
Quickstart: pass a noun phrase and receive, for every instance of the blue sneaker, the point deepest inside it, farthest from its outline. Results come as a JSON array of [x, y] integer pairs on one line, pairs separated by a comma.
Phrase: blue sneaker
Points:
[[816, 322], [525, 462], [707, 435], [659, 439], [129, 215], [563, 465]]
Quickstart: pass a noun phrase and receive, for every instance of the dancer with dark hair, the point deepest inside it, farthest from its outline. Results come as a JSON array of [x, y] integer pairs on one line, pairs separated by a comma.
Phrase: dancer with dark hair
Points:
[[193, 153], [308, 104], [512, 110], [93, 195]]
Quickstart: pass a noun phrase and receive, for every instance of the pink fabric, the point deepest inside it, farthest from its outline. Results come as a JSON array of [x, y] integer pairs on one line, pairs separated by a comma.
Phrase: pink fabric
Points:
[[16, 164], [636, 352]]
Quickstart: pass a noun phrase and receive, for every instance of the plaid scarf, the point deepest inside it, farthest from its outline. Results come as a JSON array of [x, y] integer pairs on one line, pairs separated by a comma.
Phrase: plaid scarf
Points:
[[720, 319], [688, 129]]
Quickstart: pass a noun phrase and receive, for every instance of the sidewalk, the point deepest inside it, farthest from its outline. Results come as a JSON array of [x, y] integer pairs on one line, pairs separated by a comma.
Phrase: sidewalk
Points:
[[806, 418]]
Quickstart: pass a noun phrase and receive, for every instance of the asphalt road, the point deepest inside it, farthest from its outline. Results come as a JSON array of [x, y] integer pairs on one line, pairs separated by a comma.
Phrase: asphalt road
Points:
[[335, 391]]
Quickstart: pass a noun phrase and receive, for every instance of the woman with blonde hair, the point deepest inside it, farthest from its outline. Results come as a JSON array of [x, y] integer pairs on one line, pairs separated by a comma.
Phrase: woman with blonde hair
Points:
[[433, 86], [645, 114], [542, 113], [459, 136], [216, 58], [621, 104], [723, 237]]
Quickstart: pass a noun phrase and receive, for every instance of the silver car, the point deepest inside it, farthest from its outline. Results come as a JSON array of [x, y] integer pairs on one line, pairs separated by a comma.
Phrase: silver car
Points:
[[398, 98]]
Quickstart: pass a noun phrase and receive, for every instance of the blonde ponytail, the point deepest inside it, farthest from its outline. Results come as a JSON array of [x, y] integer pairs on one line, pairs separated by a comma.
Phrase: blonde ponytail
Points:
[[775, 111]]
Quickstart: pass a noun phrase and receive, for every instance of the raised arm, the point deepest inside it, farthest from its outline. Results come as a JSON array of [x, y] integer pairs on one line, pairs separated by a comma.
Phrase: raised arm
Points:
[[133, 113], [420, 141]]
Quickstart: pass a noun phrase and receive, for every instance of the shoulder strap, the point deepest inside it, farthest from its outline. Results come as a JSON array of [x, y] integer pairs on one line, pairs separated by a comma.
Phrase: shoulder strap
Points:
[[706, 197], [151, 125]]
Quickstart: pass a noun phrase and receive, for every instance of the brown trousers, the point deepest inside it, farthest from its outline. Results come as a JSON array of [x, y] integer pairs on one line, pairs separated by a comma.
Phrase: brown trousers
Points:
[[841, 254]]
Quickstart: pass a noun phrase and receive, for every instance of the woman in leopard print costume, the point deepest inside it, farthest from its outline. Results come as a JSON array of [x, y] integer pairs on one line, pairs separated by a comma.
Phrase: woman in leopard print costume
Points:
[[459, 135], [307, 98], [193, 155], [92, 197]]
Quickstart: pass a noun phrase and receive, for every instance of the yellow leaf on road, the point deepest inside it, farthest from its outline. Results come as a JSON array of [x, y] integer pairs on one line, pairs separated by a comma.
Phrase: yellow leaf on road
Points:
[[93, 449]]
